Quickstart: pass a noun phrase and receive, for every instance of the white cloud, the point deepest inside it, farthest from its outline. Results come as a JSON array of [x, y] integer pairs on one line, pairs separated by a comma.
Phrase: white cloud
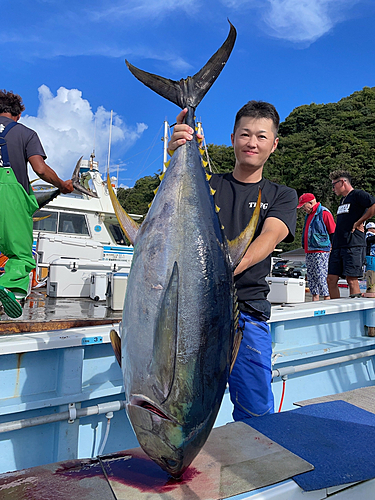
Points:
[[141, 9], [68, 129], [299, 21]]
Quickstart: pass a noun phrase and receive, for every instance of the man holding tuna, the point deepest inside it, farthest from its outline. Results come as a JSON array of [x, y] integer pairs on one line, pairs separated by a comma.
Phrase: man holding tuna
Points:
[[254, 138], [18, 146]]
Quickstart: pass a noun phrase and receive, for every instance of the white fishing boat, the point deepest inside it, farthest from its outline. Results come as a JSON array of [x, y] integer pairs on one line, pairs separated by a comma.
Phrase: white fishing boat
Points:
[[77, 225]]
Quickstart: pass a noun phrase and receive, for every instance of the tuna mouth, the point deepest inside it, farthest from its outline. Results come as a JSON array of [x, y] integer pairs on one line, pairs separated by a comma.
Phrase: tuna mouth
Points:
[[150, 406]]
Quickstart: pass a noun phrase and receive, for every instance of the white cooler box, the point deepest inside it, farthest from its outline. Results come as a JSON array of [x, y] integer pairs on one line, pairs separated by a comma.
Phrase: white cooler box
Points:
[[344, 287], [72, 277], [286, 290], [116, 290], [52, 247], [98, 285]]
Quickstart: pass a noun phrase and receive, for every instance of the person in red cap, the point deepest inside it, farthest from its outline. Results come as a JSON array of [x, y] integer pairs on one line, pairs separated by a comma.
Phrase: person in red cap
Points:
[[316, 241]]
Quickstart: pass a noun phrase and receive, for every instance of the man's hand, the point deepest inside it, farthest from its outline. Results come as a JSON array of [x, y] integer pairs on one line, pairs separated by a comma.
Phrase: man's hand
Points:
[[181, 132], [66, 187], [358, 225]]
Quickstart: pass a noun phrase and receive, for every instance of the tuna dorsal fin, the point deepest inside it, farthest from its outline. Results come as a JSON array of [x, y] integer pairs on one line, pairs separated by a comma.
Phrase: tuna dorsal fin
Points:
[[116, 344], [162, 368], [128, 225], [238, 246], [77, 185], [191, 90]]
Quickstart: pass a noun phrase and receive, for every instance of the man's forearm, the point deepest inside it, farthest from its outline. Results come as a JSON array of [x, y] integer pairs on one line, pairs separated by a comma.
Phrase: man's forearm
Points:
[[46, 173], [50, 176], [368, 214], [274, 231]]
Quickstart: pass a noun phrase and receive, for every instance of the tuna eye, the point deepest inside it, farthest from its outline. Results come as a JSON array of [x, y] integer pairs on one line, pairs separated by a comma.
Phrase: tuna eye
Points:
[[153, 409]]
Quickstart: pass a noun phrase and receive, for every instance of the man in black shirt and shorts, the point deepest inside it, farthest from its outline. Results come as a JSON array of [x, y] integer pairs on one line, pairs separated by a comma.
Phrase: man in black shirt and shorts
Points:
[[349, 240], [254, 138]]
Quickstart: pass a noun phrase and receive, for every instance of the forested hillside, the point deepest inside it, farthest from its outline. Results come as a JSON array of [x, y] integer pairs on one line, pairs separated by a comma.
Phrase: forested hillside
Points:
[[314, 140]]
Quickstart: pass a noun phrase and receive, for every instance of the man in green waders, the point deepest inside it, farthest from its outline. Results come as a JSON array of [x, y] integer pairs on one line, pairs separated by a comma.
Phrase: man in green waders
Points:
[[19, 145]]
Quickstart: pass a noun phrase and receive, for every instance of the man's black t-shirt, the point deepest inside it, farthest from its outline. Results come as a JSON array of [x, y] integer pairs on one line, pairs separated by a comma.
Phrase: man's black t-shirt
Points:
[[237, 201], [351, 208], [22, 142]]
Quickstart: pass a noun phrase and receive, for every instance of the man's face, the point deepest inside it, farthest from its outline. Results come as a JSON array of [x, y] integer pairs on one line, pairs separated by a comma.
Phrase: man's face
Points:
[[253, 142], [307, 207], [338, 186]]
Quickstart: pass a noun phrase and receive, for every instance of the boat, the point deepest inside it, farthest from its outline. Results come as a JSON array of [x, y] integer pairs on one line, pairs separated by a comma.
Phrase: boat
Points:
[[74, 225], [62, 398]]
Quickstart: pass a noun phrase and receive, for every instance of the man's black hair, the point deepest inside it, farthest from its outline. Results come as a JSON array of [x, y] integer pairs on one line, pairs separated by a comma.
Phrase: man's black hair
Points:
[[258, 109], [11, 103], [337, 174]]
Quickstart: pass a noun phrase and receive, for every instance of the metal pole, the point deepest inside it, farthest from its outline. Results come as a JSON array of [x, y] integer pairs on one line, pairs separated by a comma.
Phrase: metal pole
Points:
[[290, 370], [65, 415]]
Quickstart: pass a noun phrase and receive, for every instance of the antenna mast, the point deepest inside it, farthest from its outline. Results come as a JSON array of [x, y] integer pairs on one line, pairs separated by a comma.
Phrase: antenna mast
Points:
[[110, 139]]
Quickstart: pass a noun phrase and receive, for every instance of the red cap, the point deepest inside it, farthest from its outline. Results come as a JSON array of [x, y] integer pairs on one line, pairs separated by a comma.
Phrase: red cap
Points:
[[305, 198]]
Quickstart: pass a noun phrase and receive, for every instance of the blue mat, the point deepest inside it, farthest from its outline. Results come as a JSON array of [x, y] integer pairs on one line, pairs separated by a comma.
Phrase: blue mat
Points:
[[336, 437]]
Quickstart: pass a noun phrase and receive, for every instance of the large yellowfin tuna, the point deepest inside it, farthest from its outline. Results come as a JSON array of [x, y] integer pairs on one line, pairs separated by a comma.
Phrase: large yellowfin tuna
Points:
[[178, 325]]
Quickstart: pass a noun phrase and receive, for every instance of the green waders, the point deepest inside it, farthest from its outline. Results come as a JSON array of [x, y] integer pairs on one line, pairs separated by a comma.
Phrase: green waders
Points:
[[16, 232]]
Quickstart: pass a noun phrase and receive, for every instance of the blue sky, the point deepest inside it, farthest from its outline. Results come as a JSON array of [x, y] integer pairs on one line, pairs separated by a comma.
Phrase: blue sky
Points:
[[66, 59]]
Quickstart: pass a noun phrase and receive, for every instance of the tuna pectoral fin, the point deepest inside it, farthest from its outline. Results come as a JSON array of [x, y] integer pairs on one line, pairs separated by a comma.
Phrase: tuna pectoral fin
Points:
[[238, 247], [116, 345], [189, 91], [128, 225], [162, 368]]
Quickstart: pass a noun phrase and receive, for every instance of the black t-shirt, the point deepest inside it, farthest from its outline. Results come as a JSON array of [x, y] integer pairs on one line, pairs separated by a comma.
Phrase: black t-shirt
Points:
[[351, 208], [237, 201], [22, 142]]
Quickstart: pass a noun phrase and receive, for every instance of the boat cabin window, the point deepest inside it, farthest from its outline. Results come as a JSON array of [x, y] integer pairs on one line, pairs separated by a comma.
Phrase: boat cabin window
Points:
[[73, 224], [117, 234], [47, 222]]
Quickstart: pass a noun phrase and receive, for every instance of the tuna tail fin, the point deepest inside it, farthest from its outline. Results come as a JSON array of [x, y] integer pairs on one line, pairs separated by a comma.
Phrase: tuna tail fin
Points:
[[77, 185], [116, 345], [238, 247], [128, 225], [190, 91]]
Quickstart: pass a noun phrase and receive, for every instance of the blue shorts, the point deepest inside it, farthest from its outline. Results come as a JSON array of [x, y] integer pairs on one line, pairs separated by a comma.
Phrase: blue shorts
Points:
[[251, 377], [347, 262]]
